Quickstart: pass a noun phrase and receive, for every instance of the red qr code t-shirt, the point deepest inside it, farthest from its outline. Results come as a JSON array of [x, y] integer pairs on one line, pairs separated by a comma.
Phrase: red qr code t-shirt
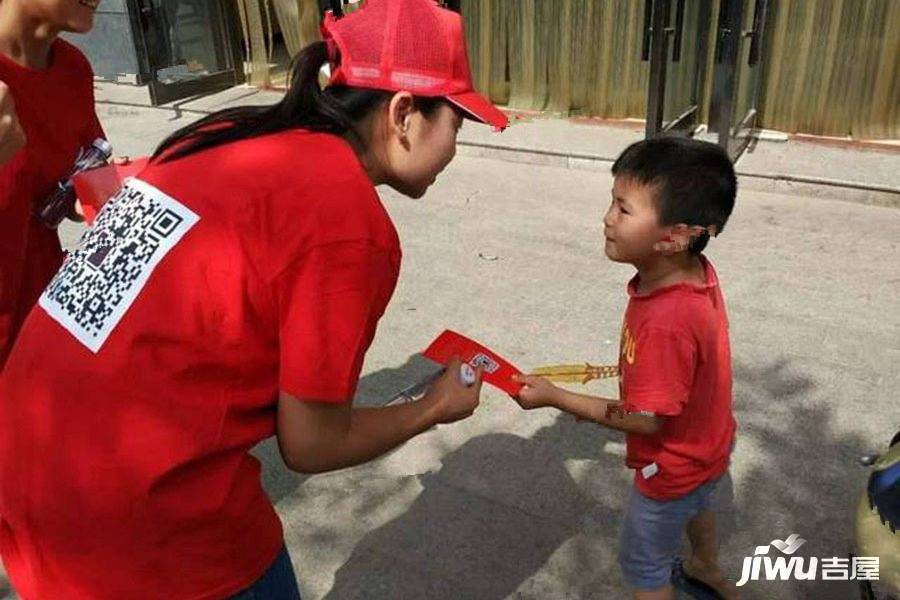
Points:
[[155, 359]]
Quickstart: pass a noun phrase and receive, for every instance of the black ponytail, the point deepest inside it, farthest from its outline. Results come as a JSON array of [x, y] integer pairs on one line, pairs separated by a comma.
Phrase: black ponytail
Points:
[[337, 110]]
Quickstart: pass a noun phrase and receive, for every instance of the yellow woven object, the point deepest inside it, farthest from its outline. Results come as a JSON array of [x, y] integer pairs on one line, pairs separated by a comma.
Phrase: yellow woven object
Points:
[[580, 373]]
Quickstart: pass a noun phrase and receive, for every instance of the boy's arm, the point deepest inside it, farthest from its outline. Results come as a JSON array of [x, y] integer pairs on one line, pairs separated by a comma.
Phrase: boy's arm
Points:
[[606, 412], [540, 393]]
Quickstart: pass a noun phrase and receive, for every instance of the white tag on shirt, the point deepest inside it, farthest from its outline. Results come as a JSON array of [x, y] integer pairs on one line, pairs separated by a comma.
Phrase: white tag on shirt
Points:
[[650, 470]]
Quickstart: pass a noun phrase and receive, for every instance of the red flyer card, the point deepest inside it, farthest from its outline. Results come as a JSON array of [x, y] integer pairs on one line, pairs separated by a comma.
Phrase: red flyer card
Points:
[[497, 370], [96, 186]]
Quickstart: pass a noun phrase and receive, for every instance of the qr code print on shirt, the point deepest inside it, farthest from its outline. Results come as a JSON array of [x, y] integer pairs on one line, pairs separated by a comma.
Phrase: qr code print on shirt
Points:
[[99, 281]]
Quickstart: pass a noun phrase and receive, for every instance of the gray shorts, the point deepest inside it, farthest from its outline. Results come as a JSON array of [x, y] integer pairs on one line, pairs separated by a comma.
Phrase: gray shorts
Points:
[[652, 533]]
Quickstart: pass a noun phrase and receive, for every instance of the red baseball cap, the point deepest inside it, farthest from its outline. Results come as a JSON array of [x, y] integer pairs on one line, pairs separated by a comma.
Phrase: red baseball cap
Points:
[[408, 45]]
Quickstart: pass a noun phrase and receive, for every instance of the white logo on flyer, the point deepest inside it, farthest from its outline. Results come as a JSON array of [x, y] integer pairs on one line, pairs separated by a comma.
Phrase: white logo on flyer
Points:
[[481, 359], [784, 568]]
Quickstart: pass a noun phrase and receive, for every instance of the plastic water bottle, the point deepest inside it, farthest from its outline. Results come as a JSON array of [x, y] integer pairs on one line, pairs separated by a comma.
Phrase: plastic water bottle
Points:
[[57, 205]]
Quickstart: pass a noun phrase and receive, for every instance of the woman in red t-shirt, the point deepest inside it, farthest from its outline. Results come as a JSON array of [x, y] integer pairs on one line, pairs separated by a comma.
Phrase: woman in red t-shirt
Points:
[[46, 118], [227, 294]]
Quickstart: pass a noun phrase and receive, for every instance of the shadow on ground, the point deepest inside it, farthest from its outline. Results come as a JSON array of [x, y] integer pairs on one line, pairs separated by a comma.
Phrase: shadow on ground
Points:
[[512, 503], [488, 523], [801, 475], [374, 389], [493, 515]]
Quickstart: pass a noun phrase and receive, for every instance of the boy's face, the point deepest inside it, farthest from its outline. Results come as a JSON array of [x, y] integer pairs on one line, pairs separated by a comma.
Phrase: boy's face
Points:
[[631, 225], [76, 16]]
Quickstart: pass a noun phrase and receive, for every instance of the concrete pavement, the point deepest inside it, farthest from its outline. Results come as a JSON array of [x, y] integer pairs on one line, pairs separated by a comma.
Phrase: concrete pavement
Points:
[[513, 504]]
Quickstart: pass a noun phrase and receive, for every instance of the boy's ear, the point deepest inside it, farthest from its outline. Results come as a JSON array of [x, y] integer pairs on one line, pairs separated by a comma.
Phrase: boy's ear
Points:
[[680, 237], [693, 231]]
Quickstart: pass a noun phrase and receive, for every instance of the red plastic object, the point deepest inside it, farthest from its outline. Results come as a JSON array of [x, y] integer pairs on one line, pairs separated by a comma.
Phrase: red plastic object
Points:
[[497, 370], [96, 186]]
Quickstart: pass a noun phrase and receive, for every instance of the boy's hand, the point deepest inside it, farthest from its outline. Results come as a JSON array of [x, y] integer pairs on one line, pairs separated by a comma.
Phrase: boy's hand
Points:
[[12, 137], [537, 393]]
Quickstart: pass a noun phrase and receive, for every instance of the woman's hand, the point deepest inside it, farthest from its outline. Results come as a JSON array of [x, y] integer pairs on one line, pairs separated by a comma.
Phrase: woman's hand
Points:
[[537, 393], [451, 399], [12, 137], [316, 436]]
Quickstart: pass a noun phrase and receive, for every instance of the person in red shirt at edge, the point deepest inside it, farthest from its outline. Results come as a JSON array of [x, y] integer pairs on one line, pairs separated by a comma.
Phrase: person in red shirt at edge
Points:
[[668, 197], [227, 294], [47, 104]]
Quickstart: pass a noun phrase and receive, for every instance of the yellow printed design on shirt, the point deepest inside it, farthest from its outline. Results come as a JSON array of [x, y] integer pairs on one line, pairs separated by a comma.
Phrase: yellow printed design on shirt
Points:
[[627, 346]]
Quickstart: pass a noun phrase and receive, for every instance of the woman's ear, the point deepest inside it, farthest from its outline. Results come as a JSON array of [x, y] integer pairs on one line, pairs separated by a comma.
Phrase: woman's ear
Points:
[[400, 112]]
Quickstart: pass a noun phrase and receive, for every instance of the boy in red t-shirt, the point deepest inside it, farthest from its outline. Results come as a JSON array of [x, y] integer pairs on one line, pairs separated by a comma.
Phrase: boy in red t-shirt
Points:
[[669, 196]]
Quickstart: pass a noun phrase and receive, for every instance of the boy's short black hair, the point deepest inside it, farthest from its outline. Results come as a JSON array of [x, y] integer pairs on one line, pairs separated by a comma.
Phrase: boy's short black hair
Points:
[[695, 181]]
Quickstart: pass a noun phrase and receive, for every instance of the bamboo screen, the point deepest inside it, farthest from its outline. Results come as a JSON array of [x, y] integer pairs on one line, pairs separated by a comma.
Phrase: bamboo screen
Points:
[[832, 67], [298, 21], [571, 56]]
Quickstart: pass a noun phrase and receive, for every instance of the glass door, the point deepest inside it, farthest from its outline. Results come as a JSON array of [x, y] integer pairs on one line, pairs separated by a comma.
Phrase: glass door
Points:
[[738, 73], [675, 44], [190, 47]]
